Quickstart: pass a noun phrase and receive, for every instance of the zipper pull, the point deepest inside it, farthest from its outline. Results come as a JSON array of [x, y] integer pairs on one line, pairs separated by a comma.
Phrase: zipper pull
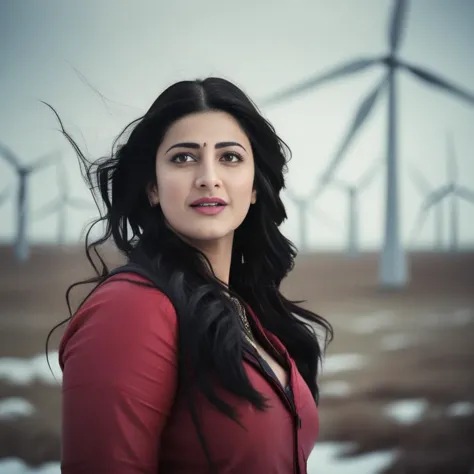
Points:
[[298, 421]]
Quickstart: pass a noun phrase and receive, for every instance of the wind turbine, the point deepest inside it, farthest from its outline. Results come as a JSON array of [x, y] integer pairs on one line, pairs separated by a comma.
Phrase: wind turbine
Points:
[[453, 182], [453, 191], [61, 204], [24, 172], [392, 266], [304, 207], [425, 189], [353, 192]]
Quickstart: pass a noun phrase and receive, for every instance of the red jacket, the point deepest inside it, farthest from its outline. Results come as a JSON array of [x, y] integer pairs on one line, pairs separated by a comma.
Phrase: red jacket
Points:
[[122, 413]]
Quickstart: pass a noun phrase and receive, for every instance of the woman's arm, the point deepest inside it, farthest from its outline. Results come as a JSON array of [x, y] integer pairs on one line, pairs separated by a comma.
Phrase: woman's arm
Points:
[[119, 360]]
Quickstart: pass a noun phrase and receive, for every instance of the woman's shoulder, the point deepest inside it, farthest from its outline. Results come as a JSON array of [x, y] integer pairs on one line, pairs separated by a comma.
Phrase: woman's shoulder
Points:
[[124, 302], [122, 332], [128, 288]]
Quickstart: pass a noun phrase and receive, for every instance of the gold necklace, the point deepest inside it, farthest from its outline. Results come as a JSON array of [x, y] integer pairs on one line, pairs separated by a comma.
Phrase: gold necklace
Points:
[[241, 311]]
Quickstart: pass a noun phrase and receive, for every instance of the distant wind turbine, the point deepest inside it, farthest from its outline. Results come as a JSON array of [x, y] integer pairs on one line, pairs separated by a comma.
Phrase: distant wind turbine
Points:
[[452, 169], [425, 189], [353, 191], [305, 206], [24, 172], [61, 204], [393, 266], [452, 190]]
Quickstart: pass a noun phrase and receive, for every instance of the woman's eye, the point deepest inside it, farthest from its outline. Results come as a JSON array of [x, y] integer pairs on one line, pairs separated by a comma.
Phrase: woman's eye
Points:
[[182, 158], [232, 157]]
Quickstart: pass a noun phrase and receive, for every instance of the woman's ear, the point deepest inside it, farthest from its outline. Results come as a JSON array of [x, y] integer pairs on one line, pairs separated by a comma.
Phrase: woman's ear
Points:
[[153, 196], [253, 199]]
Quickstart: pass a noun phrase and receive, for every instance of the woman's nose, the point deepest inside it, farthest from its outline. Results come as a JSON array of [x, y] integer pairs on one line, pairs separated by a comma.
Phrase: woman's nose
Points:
[[208, 176]]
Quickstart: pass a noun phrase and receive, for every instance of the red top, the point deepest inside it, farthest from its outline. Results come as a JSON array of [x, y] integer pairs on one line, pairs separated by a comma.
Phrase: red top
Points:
[[122, 413]]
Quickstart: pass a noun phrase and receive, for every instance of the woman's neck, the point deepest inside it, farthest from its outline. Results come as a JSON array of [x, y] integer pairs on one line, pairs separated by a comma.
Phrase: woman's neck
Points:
[[219, 254], [220, 260]]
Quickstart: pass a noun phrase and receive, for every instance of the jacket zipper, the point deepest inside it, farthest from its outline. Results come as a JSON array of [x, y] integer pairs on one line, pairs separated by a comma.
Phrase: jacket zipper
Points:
[[277, 356], [290, 403]]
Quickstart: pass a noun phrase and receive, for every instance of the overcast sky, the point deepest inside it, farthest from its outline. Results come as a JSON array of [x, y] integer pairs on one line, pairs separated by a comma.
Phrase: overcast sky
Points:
[[131, 51]]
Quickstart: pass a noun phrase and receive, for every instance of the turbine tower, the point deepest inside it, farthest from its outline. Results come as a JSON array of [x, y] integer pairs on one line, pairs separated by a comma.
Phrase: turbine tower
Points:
[[353, 192], [61, 204], [304, 207], [24, 172], [425, 189], [392, 266]]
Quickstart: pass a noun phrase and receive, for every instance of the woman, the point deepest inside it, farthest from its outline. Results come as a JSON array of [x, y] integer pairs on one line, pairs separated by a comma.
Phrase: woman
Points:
[[189, 359]]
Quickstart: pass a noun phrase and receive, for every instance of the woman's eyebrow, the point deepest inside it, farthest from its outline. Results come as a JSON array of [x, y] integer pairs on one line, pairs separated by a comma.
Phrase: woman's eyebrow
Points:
[[196, 146]]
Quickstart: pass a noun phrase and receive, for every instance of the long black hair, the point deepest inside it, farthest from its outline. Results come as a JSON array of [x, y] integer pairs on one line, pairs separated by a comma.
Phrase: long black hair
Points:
[[210, 339]]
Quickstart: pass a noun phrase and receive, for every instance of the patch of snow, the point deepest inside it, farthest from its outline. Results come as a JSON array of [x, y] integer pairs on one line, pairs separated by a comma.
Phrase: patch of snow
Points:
[[343, 362], [17, 466], [15, 407], [460, 409], [325, 459], [22, 371], [406, 412], [335, 388], [459, 317], [373, 322], [393, 342]]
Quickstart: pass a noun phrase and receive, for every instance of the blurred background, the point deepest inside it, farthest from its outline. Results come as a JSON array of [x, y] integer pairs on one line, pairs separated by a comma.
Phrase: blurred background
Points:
[[375, 98]]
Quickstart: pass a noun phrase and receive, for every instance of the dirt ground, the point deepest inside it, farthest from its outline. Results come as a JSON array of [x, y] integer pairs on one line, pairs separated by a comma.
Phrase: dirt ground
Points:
[[415, 344]]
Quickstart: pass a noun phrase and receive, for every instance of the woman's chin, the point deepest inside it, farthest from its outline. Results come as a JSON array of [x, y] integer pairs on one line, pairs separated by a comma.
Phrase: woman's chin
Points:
[[209, 236]]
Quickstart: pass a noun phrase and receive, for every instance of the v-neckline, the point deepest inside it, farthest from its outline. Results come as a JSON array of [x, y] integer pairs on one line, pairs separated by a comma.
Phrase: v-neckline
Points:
[[273, 353], [262, 360]]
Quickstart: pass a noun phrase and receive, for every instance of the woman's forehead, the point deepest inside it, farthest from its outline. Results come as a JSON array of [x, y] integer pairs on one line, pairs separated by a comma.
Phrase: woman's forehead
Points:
[[208, 127]]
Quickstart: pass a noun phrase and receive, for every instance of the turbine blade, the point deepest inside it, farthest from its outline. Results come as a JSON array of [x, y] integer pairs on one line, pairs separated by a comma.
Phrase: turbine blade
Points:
[[323, 217], [336, 73], [48, 209], [436, 196], [44, 161], [420, 181], [292, 196], [397, 25], [9, 156], [339, 184], [420, 220], [437, 81], [370, 175], [464, 193], [361, 115]]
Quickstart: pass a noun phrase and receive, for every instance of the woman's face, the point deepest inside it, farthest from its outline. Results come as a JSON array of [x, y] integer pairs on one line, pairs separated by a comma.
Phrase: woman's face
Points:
[[206, 156]]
